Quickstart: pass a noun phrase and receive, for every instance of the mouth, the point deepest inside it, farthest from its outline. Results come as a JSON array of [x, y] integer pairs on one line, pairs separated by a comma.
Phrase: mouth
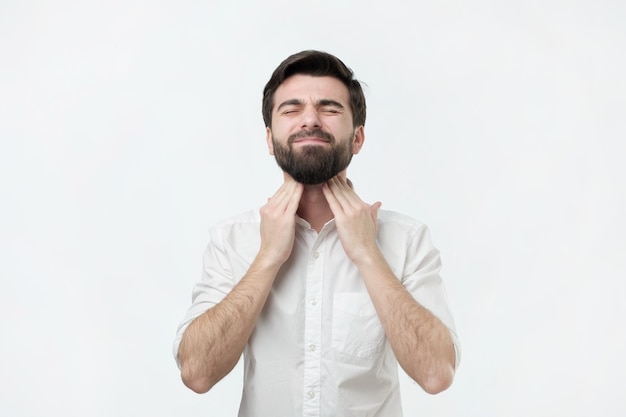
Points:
[[311, 141], [311, 137]]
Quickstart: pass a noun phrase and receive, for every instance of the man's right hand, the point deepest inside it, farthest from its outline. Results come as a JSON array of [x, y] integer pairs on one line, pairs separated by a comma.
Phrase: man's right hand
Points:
[[278, 222], [212, 344]]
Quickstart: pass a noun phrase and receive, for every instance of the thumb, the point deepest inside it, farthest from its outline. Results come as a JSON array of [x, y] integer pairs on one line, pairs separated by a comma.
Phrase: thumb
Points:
[[374, 209]]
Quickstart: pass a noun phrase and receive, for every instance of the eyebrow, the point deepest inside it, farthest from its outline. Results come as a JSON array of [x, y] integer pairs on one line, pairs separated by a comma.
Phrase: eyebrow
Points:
[[327, 102], [322, 102], [292, 102]]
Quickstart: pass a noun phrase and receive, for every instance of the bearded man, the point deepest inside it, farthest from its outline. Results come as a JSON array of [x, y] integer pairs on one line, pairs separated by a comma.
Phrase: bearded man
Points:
[[323, 293]]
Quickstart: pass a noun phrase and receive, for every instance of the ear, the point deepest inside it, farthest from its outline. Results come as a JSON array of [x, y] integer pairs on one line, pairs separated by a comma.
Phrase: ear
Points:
[[268, 139], [359, 138]]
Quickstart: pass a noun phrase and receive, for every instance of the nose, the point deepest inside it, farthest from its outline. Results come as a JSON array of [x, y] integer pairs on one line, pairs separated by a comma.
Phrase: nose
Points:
[[310, 118]]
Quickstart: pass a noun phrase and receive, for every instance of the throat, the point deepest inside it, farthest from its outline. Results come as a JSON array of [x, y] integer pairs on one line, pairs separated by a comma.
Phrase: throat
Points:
[[314, 208]]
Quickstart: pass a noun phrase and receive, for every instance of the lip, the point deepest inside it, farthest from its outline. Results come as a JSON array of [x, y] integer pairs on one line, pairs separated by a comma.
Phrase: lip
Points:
[[310, 141]]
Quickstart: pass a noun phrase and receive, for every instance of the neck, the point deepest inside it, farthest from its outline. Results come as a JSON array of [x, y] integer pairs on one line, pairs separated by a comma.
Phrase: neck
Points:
[[314, 208], [313, 205]]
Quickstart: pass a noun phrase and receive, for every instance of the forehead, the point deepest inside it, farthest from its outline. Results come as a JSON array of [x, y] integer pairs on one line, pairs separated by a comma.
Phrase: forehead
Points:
[[310, 88]]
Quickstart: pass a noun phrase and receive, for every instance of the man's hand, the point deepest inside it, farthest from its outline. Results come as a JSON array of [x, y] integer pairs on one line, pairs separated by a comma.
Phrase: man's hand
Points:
[[278, 222], [421, 342], [212, 344], [355, 219]]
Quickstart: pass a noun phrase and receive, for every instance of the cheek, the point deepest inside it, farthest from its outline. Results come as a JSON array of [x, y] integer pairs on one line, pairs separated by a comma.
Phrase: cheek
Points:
[[281, 131]]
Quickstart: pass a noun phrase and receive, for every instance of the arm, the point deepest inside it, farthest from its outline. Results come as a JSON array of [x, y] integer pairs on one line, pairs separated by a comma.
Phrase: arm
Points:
[[421, 342], [214, 341]]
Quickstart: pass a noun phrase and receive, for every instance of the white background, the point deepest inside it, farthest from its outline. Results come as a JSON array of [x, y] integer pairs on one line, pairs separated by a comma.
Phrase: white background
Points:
[[129, 127]]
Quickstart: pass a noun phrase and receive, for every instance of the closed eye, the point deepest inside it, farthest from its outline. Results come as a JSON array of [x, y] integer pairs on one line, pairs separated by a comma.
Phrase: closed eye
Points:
[[330, 106], [331, 110]]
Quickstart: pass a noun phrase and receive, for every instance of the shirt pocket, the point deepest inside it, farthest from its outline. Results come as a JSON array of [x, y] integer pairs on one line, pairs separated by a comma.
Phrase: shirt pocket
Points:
[[356, 329]]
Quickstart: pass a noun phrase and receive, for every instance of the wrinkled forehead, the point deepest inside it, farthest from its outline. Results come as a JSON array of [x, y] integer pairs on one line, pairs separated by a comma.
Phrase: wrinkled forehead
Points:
[[311, 89]]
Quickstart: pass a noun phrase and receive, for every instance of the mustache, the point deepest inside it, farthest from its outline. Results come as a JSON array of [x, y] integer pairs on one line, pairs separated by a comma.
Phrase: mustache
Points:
[[309, 133]]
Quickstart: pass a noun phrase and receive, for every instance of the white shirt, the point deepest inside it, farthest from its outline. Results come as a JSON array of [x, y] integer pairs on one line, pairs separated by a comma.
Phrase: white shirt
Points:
[[318, 348]]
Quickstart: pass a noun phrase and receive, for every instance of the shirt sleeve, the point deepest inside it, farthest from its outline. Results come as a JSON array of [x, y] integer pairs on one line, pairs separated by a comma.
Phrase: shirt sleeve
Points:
[[215, 283], [423, 280]]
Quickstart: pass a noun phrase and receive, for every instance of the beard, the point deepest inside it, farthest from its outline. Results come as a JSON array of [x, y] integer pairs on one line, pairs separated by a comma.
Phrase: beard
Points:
[[313, 164]]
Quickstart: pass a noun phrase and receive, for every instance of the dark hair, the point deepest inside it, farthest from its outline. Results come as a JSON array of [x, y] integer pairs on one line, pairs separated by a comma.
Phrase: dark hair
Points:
[[317, 64]]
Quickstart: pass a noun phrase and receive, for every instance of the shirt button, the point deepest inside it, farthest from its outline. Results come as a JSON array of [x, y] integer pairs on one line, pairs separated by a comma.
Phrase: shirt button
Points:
[[314, 301], [312, 348], [316, 255], [311, 394]]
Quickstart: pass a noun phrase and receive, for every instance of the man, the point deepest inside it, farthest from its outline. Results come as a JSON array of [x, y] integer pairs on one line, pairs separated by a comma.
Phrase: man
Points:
[[323, 293]]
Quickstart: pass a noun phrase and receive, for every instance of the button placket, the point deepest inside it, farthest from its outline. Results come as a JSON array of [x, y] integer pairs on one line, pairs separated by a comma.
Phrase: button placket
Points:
[[312, 333]]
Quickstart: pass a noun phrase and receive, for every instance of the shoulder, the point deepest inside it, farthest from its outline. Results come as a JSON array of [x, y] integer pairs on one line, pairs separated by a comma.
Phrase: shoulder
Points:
[[400, 229], [393, 219], [246, 217], [239, 225]]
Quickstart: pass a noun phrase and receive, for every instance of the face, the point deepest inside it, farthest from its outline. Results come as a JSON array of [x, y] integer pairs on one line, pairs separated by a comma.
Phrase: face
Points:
[[312, 135]]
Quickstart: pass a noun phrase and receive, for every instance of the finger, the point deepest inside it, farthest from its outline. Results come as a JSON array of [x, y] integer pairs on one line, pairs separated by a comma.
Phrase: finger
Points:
[[334, 205], [374, 210], [294, 199], [344, 194], [282, 195]]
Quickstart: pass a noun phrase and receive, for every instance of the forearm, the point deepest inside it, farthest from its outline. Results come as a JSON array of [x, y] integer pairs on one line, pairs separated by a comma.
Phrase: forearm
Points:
[[212, 344], [421, 342]]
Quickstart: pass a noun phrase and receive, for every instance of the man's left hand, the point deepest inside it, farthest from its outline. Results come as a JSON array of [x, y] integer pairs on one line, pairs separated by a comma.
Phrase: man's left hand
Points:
[[356, 220]]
